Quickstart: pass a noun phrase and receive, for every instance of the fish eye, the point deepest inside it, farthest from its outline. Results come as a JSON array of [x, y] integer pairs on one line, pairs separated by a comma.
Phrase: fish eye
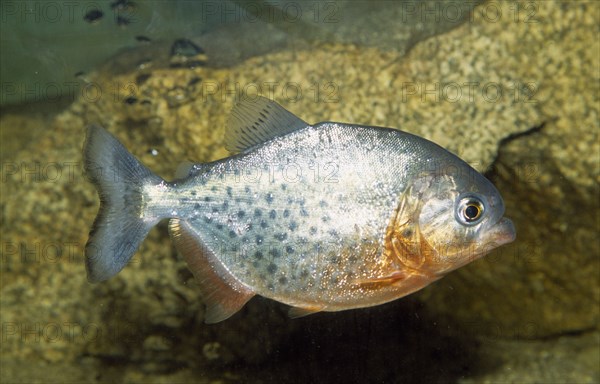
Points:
[[470, 210]]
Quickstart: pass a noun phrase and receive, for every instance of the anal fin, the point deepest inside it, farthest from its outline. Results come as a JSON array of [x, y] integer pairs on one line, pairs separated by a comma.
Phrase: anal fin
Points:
[[222, 293]]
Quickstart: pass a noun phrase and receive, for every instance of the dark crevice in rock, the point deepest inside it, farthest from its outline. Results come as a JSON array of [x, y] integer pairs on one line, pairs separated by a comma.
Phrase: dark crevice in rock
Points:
[[490, 172], [568, 333]]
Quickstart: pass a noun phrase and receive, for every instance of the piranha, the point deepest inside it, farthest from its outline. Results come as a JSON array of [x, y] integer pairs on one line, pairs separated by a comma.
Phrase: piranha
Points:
[[323, 217]]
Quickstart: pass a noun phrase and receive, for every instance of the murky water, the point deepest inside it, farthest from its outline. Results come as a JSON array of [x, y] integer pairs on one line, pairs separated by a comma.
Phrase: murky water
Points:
[[509, 86]]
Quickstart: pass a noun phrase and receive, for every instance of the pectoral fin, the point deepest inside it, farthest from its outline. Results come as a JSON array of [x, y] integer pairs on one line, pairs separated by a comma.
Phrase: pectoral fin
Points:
[[222, 293], [382, 280]]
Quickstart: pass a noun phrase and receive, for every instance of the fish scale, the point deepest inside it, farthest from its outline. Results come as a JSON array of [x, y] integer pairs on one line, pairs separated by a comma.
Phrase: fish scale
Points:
[[316, 210], [322, 217]]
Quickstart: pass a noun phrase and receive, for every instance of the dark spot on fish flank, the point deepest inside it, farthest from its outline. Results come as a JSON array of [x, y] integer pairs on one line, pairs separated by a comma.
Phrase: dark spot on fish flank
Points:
[[213, 188], [272, 268], [236, 172], [283, 187], [259, 240], [352, 259], [93, 15], [207, 219], [269, 198], [247, 190], [272, 214], [290, 201], [241, 214], [333, 233], [335, 280], [193, 193], [208, 199], [312, 230], [303, 212], [255, 264], [229, 193], [325, 218], [249, 227], [257, 212], [274, 252], [232, 234], [283, 280], [281, 236], [215, 209], [219, 226], [270, 287], [289, 249], [334, 259], [407, 233], [304, 274], [293, 226], [323, 204], [302, 240], [225, 205], [286, 213], [263, 224], [258, 255]]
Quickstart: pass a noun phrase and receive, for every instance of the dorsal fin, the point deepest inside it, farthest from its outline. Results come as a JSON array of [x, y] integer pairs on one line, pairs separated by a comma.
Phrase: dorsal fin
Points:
[[184, 170], [255, 121], [222, 293]]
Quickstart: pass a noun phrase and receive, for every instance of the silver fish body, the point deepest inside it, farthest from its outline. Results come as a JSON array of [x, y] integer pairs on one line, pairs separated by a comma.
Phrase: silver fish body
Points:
[[322, 217]]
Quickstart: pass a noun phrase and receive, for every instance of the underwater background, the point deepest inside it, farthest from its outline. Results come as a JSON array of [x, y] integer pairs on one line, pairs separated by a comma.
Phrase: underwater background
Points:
[[512, 87]]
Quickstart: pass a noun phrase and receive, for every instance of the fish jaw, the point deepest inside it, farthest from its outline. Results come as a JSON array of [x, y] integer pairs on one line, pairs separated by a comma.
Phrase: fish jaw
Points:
[[503, 232], [442, 260]]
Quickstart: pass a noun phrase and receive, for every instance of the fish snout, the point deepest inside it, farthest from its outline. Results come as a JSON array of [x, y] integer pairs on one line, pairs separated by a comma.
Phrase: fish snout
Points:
[[503, 232]]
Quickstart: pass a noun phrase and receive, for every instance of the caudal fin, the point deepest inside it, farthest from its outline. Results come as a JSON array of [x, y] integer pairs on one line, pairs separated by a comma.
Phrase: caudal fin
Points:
[[121, 224]]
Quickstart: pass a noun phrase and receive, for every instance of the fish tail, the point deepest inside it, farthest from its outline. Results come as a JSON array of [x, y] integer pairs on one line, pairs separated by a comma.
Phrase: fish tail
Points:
[[122, 222]]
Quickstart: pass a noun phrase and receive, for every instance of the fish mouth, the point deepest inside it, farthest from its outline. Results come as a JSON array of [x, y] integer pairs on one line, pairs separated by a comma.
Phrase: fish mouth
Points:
[[503, 232]]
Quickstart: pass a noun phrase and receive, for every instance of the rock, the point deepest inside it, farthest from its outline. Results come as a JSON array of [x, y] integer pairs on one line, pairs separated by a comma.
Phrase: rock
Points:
[[546, 283]]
